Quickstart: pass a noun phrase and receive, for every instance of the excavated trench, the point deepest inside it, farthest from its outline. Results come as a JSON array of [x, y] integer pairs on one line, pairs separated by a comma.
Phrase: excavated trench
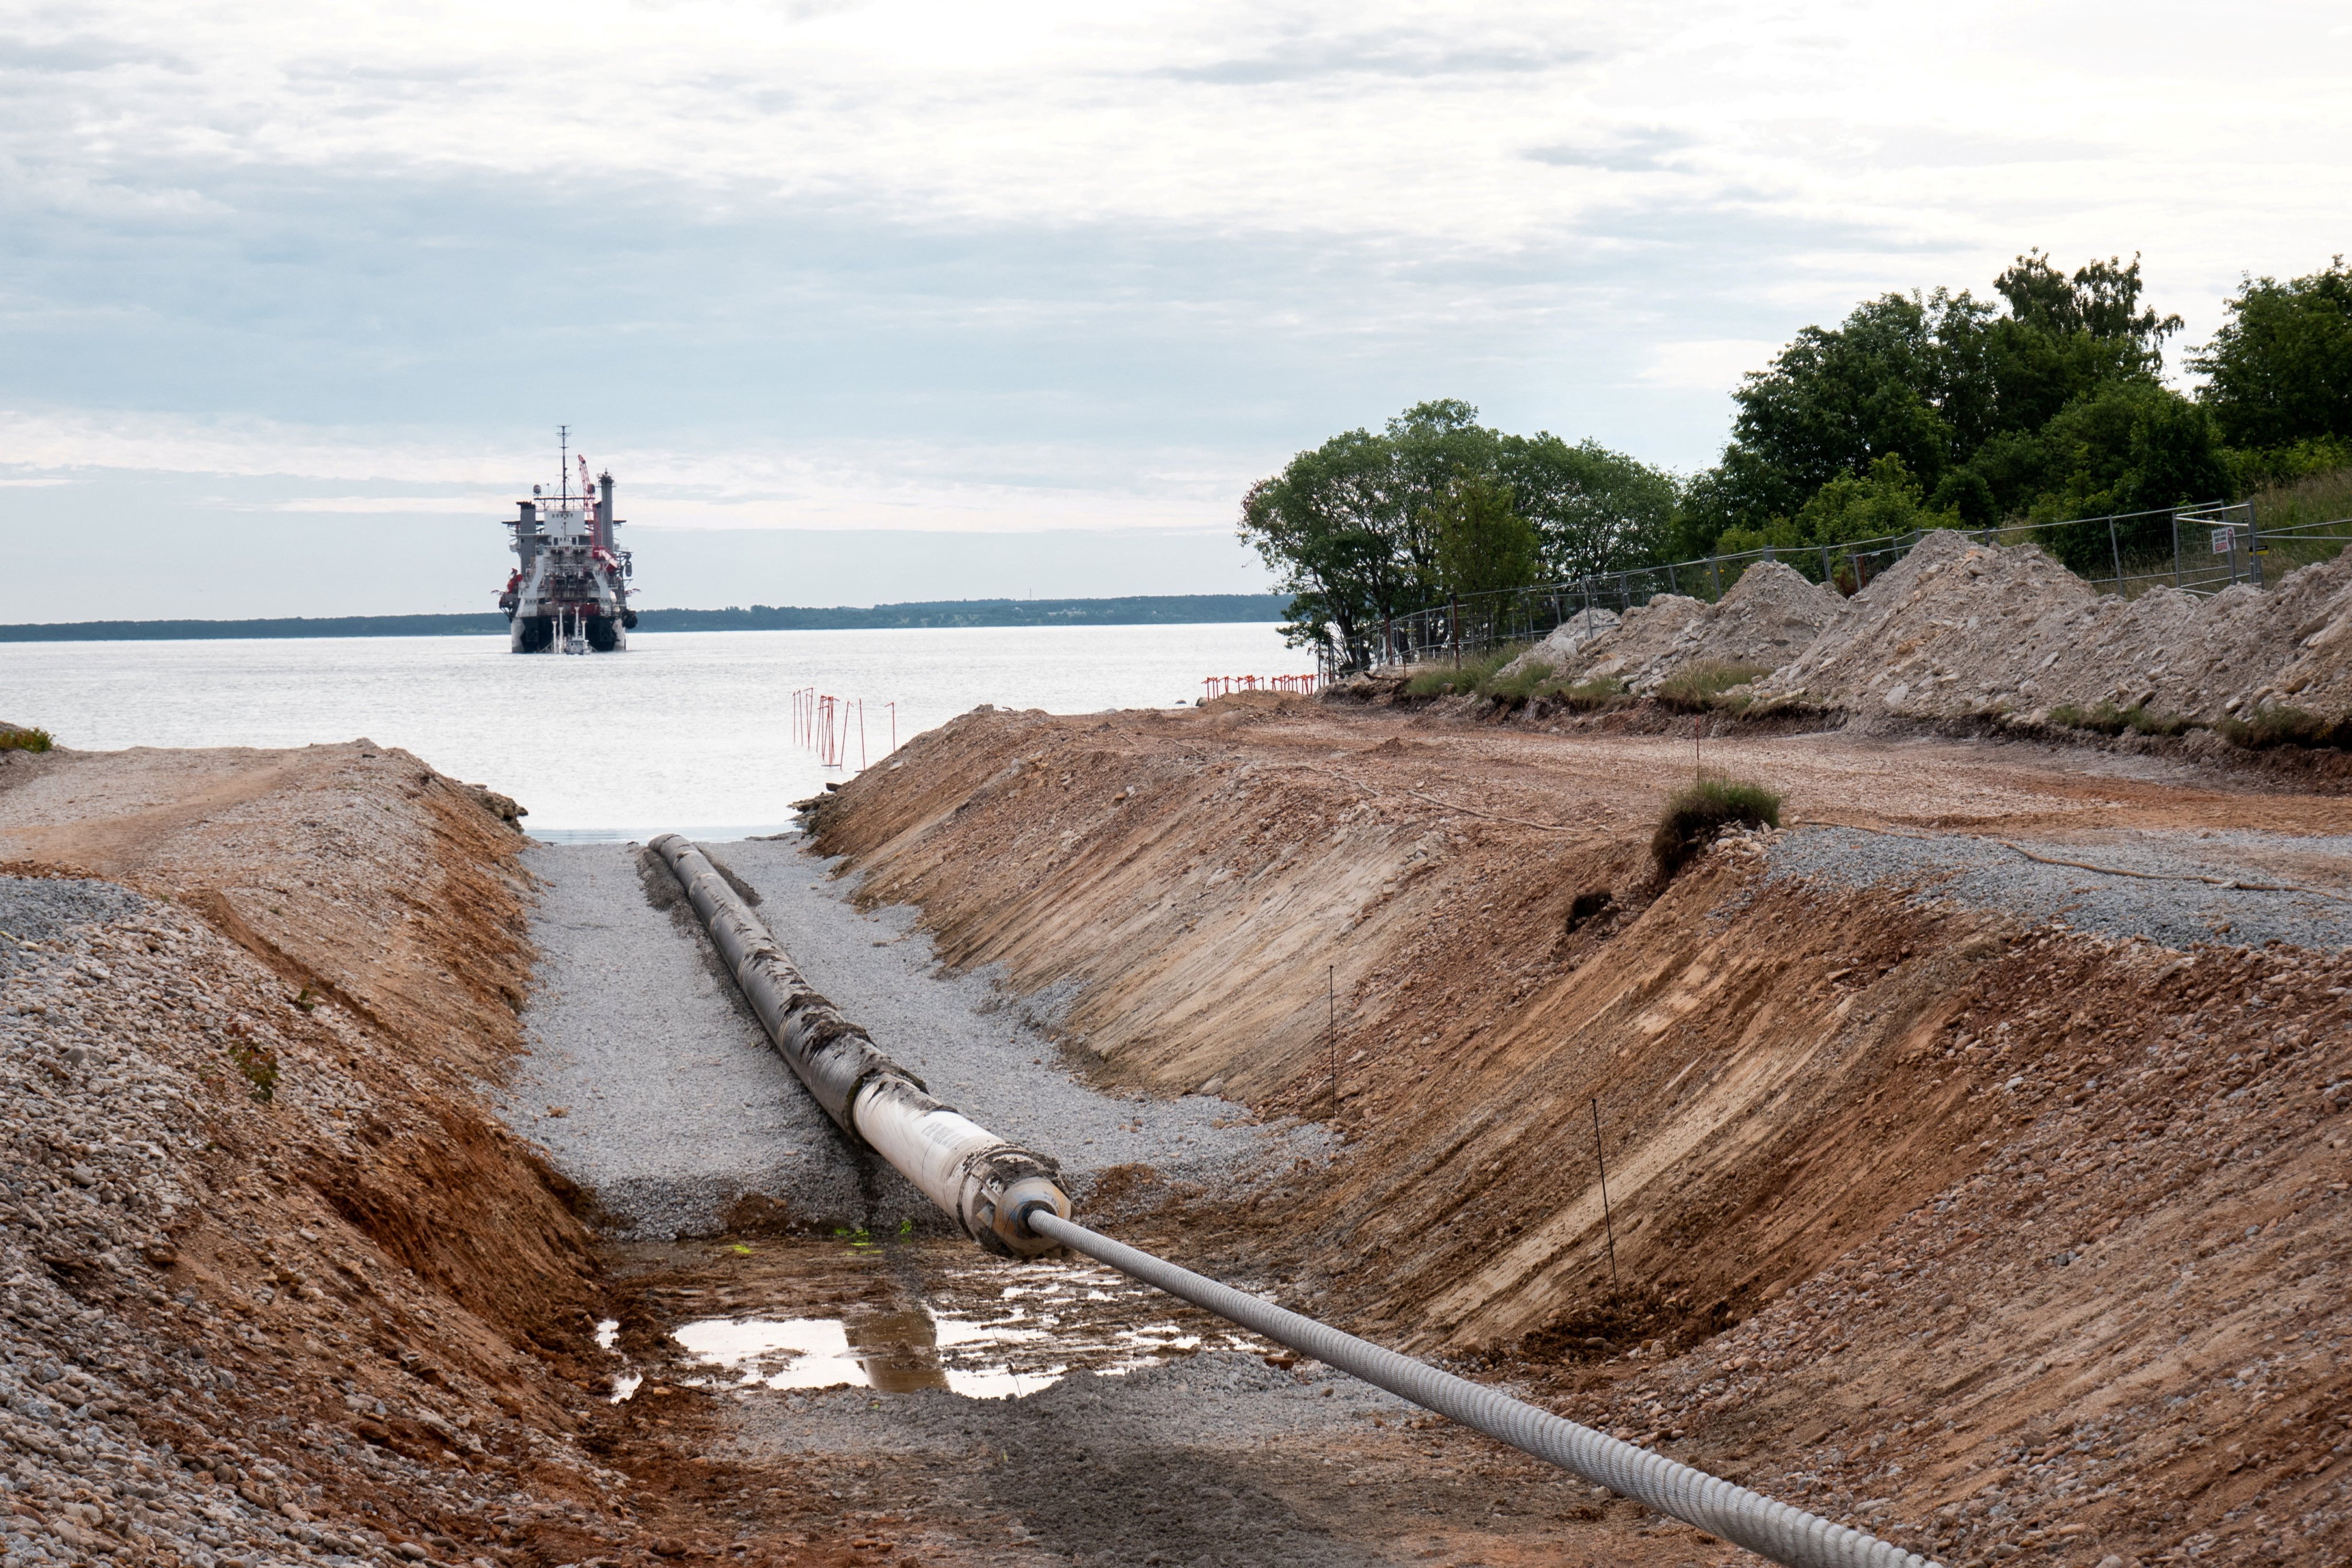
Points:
[[1975, 1146]]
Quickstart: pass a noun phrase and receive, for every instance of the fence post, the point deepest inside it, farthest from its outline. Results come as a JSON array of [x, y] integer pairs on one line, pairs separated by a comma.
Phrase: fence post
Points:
[[1672, 587], [2115, 554], [2175, 547], [1714, 571], [1454, 626], [2253, 548], [1825, 565]]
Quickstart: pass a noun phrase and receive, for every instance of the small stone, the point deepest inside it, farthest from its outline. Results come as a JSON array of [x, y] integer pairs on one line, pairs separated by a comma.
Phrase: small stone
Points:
[[83, 1176], [411, 1550]]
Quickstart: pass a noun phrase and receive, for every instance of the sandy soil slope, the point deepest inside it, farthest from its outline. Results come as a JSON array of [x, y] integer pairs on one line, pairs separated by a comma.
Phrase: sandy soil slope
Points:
[[1930, 1203]]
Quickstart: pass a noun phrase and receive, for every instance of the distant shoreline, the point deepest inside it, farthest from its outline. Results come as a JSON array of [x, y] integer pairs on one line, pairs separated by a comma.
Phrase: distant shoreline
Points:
[[1159, 609]]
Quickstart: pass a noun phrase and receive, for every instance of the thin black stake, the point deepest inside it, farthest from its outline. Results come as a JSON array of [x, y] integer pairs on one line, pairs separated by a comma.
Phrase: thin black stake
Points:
[[1331, 1031], [1608, 1225]]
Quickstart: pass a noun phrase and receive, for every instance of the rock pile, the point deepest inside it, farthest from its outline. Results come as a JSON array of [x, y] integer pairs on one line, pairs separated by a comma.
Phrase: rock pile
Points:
[[1557, 650], [1647, 634], [1959, 629], [1767, 617], [1770, 615]]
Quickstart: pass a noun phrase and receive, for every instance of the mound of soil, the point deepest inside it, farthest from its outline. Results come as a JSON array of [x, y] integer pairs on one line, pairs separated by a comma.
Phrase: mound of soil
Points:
[[1769, 616], [1647, 635], [1565, 640], [1959, 628]]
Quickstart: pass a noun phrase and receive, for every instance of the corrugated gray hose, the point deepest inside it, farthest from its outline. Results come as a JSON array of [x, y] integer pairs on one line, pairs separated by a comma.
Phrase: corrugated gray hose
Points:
[[1771, 1529]]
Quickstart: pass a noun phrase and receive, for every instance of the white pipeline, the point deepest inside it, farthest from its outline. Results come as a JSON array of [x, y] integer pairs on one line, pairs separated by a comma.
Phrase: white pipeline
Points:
[[975, 1176]]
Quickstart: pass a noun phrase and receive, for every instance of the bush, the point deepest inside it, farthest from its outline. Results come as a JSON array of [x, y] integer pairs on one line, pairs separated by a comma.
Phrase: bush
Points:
[[2106, 719], [1699, 685], [1447, 680], [2284, 726], [1696, 816], [24, 738]]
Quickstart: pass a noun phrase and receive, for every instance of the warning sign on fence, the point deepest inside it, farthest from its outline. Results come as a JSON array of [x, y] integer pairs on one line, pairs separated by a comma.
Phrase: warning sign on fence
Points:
[[2224, 539]]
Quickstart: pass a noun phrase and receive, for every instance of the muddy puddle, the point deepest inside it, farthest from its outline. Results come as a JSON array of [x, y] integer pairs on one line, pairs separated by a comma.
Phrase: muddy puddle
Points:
[[755, 1318]]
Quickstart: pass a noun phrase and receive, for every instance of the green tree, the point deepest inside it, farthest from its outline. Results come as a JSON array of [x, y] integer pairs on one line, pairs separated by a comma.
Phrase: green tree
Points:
[[1432, 447], [2279, 369], [1594, 510], [1945, 382], [1324, 524], [1484, 545], [1882, 502]]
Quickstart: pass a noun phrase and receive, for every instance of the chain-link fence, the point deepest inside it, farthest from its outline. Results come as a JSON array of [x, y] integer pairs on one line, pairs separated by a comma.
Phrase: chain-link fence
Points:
[[2200, 549]]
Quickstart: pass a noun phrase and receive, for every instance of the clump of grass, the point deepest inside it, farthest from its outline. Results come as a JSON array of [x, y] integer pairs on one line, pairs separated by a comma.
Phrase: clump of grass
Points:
[[1519, 685], [2106, 719], [1698, 815], [1591, 696], [258, 1064], [2284, 726], [1699, 685], [25, 738], [1449, 679]]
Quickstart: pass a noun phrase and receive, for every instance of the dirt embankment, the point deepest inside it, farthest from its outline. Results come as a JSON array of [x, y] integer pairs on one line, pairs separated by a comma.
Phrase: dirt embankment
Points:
[[1923, 1209], [279, 1283]]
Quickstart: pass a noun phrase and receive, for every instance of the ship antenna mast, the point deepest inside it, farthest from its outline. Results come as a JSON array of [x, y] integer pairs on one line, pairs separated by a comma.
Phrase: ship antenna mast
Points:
[[563, 463]]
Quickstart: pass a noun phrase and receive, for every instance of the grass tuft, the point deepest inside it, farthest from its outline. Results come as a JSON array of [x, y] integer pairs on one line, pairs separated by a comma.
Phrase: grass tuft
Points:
[[1592, 696], [1699, 685], [2285, 726], [1697, 816], [1450, 680], [1518, 686], [25, 738]]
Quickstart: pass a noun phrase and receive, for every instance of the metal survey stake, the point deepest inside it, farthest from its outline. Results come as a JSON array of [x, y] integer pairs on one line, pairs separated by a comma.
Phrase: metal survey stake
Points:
[[1608, 1227]]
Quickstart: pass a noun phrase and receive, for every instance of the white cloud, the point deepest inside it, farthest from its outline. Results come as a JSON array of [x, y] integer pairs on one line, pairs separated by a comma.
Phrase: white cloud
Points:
[[1710, 364], [935, 265]]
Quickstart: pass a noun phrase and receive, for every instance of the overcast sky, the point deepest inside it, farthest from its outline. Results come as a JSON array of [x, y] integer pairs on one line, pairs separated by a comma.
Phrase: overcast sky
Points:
[[326, 277]]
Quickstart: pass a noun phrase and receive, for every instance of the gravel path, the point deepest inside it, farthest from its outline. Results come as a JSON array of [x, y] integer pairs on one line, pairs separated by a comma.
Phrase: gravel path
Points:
[[2147, 884], [674, 1107]]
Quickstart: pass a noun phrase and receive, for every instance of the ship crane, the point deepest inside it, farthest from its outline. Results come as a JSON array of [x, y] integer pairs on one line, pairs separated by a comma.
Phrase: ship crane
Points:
[[570, 589]]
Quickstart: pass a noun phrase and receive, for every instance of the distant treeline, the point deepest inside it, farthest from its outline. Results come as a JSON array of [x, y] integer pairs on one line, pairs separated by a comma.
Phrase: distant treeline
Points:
[[1155, 609]]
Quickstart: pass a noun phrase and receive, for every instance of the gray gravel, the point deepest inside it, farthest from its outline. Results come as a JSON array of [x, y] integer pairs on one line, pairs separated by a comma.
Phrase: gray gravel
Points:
[[1220, 1459], [44, 909], [675, 1108], [2164, 902]]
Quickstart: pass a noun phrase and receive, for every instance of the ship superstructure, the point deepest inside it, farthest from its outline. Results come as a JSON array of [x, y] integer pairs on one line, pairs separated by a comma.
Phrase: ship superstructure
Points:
[[570, 590]]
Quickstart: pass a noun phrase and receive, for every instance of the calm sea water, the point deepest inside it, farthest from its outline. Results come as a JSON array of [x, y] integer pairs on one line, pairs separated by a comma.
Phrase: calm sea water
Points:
[[688, 730]]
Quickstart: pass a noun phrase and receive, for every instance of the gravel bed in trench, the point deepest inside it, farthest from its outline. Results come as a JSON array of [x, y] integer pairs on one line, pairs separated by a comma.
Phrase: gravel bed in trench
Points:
[[1086, 1466], [651, 1083], [2146, 884]]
